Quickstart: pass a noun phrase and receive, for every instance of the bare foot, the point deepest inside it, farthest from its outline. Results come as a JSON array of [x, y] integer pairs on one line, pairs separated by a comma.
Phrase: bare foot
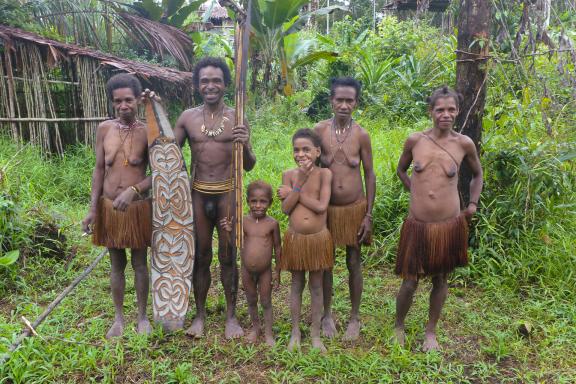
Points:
[[317, 343], [116, 329], [253, 334], [233, 329], [269, 338], [353, 330], [400, 336], [430, 343], [328, 327], [196, 330], [144, 327], [294, 343]]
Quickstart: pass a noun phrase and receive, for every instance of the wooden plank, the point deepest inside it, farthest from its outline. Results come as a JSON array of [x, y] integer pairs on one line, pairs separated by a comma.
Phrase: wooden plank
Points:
[[172, 222]]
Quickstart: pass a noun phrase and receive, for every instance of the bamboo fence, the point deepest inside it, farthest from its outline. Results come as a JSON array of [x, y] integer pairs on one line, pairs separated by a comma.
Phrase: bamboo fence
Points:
[[53, 94]]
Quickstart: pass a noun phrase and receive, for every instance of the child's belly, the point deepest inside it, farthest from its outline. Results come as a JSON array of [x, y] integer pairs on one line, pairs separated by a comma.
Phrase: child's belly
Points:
[[306, 222], [256, 254]]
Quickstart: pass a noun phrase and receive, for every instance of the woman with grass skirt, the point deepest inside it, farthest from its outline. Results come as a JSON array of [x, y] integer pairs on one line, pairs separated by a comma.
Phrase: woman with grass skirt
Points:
[[434, 236], [120, 214]]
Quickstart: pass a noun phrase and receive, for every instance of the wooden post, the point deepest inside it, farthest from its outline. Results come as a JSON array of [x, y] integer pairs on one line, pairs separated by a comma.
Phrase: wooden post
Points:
[[241, 63], [472, 74]]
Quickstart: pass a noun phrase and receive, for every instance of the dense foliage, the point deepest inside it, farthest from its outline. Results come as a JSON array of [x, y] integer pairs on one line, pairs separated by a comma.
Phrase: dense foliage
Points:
[[522, 240]]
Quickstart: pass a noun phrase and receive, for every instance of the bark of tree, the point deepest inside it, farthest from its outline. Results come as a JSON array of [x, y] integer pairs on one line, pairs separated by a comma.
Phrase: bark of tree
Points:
[[471, 75]]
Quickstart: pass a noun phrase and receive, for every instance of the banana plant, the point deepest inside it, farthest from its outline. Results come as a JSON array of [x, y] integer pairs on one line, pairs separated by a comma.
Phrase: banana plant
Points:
[[171, 12], [274, 23]]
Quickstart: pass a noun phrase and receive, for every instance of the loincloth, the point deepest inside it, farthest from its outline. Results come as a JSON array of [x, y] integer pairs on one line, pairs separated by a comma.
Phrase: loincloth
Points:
[[428, 249], [213, 187], [344, 222], [131, 228], [307, 252]]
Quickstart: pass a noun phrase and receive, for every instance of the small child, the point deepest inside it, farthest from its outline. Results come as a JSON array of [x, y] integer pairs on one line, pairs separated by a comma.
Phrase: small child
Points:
[[261, 234], [305, 194]]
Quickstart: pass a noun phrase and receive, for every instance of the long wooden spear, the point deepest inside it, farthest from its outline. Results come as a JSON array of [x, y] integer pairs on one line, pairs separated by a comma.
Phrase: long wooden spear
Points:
[[242, 39], [51, 307]]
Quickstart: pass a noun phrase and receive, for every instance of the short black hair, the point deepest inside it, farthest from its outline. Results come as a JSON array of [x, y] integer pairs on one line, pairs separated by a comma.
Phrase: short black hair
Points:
[[216, 62], [307, 133], [123, 80], [442, 93], [336, 82], [260, 184]]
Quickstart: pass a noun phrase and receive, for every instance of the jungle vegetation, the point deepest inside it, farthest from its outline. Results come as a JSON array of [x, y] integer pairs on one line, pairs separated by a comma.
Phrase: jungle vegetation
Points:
[[510, 315]]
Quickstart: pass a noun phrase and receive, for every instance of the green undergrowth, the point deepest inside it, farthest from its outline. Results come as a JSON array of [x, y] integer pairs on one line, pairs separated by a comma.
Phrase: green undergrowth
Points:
[[509, 316]]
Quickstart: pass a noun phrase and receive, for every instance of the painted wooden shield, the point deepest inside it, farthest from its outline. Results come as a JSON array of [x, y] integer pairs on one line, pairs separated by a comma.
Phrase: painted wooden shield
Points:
[[172, 223]]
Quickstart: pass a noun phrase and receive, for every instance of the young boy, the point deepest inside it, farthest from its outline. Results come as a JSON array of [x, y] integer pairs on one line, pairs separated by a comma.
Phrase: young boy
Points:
[[305, 194], [261, 234]]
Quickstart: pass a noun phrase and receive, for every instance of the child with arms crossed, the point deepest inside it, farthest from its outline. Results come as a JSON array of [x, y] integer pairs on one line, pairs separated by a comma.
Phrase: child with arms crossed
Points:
[[305, 194]]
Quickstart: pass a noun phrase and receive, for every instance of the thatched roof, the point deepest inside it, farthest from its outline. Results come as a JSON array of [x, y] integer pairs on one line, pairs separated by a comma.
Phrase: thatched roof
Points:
[[57, 51], [218, 11], [407, 5]]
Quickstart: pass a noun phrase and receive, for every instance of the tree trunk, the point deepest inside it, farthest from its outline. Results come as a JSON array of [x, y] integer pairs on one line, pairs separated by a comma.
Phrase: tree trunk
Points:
[[471, 75]]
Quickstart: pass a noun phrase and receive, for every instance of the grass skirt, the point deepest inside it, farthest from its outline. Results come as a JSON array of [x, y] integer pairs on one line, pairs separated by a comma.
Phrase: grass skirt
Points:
[[344, 222], [307, 252], [129, 229], [428, 249]]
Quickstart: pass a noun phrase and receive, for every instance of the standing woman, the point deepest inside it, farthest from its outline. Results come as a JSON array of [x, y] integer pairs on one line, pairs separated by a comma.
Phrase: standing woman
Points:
[[434, 237], [120, 211]]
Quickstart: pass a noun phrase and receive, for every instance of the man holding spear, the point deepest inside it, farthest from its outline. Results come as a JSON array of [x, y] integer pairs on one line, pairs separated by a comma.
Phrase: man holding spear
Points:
[[212, 131]]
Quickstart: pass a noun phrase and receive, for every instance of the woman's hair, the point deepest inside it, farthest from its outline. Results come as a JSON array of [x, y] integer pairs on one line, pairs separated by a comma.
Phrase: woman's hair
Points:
[[123, 80], [260, 184], [442, 93], [307, 133], [336, 82]]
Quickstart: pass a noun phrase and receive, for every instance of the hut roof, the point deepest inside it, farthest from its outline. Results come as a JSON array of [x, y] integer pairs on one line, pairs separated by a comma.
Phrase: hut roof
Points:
[[407, 5], [218, 11], [61, 51]]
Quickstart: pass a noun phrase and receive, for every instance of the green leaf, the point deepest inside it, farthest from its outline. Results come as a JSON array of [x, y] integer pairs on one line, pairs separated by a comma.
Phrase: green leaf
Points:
[[172, 6], [180, 17], [300, 22], [314, 56], [153, 10], [9, 258], [277, 12]]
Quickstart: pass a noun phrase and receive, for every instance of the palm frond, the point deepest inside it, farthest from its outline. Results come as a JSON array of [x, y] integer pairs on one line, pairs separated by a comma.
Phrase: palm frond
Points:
[[160, 38]]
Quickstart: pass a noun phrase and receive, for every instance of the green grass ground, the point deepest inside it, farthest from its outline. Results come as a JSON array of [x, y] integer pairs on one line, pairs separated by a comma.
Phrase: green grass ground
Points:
[[479, 330], [479, 333]]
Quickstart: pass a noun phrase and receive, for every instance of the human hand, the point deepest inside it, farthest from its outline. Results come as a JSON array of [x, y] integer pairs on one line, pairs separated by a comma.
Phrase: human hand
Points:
[[149, 95], [123, 200], [470, 210], [283, 192], [240, 134], [226, 224], [88, 222], [305, 168], [276, 279], [365, 231]]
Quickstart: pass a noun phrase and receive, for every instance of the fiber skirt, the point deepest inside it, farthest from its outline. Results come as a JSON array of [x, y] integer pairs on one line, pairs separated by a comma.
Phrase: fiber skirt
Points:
[[131, 228], [428, 249], [344, 222], [307, 252]]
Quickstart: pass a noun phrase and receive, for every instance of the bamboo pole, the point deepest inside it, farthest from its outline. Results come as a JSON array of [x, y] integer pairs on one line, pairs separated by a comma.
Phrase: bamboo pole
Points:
[[44, 80], [51, 120], [241, 62], [52, 305]]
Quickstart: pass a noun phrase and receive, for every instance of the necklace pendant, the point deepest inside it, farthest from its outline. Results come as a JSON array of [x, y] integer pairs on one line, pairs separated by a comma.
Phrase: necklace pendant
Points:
[[125, 162]]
